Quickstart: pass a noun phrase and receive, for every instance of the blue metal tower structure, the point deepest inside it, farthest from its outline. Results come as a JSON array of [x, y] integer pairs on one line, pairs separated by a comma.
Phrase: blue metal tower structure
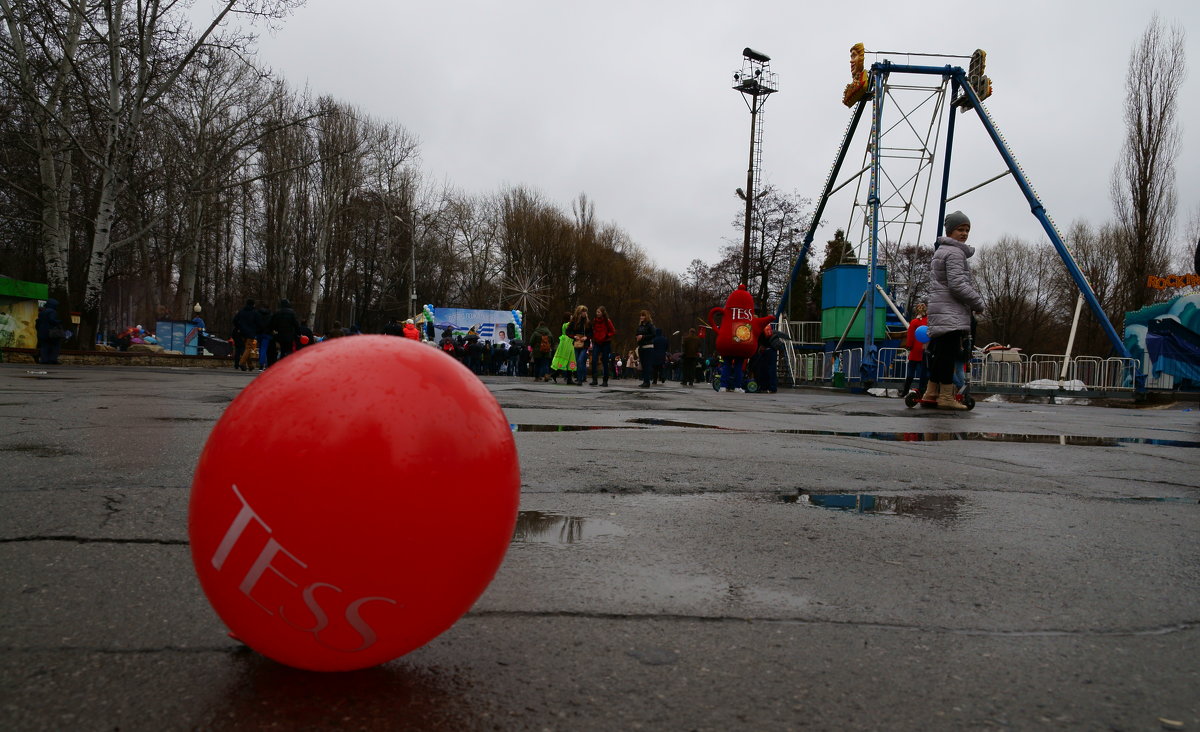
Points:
[[964, 95]]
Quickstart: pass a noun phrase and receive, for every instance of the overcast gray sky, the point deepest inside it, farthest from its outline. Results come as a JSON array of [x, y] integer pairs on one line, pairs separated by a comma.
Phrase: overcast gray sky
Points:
[[630, 101]]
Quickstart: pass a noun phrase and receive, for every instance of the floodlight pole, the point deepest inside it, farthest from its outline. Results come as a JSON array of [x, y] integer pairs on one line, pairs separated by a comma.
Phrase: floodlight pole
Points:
[[745, 280], [756, 82]]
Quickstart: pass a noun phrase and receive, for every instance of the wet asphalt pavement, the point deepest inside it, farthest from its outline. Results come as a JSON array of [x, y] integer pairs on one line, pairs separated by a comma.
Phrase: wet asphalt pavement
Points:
[[702, 561]]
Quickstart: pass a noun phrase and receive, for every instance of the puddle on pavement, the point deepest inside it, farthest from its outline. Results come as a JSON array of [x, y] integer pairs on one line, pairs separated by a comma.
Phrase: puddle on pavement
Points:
[[186, 419], [43, 451], [935, 507], [654, 422], [541, 527], [1068, 440]]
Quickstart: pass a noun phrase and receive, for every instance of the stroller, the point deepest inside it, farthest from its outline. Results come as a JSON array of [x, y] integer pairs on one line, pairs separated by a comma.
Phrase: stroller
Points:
[[777, 340], [747, 384]]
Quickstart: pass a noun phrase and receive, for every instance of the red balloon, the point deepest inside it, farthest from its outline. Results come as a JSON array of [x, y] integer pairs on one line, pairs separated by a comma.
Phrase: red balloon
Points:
[[304, 340], [330, 526]]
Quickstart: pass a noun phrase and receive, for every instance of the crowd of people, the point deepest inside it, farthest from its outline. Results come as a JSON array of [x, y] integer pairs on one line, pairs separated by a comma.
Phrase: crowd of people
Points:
[[582, 353], [261, 336], [584, 344]]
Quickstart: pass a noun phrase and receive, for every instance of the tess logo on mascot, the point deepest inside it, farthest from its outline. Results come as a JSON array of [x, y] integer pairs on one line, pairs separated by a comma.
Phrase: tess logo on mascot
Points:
[[268, 559]]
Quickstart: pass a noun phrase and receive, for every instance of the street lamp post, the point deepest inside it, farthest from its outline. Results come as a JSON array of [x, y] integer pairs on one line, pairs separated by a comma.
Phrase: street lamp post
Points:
[[412, 266], [412, 277]]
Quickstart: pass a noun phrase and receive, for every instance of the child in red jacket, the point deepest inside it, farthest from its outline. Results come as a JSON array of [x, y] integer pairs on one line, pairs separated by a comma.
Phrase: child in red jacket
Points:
[[916, 353]]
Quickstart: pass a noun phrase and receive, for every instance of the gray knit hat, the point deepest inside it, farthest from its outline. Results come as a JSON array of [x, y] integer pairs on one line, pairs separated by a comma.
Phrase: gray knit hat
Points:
[[955, 220]]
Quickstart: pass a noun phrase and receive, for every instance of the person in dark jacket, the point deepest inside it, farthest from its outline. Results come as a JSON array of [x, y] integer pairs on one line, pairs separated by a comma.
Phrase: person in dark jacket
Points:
[[393, 328], [690, 358], [542, 350], [335, 331], [265, 346], [661, 343], [516, 356], [305, 332], [473, 350], [49, 333], [245, 326], [644, 335], [285, 329], [766, 367]]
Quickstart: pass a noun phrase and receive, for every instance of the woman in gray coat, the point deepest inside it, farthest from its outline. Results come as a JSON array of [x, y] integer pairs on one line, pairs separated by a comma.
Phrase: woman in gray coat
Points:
[[953, 297]]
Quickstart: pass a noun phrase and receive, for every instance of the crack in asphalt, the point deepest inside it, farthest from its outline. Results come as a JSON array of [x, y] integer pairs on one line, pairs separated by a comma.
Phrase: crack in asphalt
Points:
[[237, 647], [124, 651], [980, 632], [91, 540]]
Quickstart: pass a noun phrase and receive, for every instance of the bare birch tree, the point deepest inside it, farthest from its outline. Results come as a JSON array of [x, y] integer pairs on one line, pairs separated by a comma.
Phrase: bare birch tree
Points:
[[42, 85], [125, 57], [215, 122]]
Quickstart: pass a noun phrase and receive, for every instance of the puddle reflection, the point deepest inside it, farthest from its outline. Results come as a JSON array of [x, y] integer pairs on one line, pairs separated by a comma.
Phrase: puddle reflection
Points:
[[1076, 440], [263, 694], [934, 507], [564, 427], [540, 527]]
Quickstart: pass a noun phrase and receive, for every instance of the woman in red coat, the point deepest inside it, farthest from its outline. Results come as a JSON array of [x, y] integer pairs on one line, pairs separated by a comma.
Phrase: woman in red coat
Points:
[[603, 331]]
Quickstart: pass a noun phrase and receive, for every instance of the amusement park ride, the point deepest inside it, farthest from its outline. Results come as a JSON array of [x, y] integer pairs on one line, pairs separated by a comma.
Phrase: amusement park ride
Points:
[[899, 159]]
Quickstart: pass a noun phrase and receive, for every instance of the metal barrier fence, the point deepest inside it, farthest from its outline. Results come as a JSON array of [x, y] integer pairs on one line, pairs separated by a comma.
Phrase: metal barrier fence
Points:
[[992, 369], [803, 331], [893, 363]]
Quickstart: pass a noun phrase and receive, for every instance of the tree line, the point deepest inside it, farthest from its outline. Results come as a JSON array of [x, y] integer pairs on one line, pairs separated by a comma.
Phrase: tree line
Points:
[[148, 164]]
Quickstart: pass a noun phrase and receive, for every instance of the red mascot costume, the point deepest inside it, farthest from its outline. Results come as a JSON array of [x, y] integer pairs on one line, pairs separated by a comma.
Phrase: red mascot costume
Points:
[[737, 334]]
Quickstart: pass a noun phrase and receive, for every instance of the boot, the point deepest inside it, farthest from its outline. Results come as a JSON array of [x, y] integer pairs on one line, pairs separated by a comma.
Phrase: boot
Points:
[[604, 384], [929, 398], [946, 399]]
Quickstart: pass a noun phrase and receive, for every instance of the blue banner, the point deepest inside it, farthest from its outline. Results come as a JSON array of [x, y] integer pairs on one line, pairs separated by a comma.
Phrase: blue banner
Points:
[[490, 325]]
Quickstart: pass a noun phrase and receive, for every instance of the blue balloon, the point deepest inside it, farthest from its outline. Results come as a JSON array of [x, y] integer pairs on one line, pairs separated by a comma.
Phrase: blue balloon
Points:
[[922, 333]]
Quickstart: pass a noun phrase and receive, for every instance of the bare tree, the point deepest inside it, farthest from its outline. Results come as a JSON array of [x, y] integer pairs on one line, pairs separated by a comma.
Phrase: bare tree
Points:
[[1015, 281], [342, 145], [220, 100], [1143, 182], [475, 240], [1092, 250], [907, 272], [779, 219]]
